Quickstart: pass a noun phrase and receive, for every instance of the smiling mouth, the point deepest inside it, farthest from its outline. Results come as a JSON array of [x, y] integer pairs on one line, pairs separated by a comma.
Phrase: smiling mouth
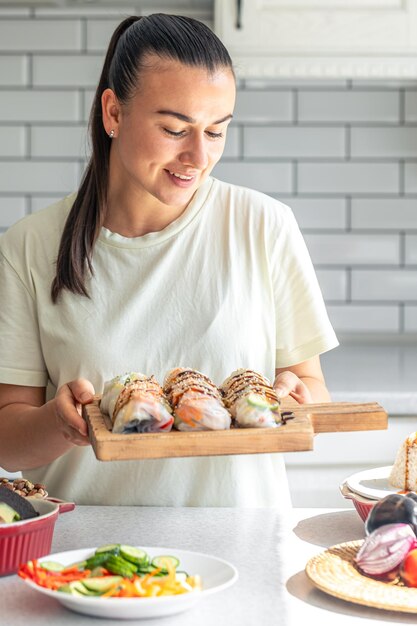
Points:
[[181, 176]]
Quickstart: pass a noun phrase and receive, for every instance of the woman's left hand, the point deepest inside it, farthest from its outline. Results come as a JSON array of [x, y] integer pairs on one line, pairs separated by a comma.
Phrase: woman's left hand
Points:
[[288, 384]]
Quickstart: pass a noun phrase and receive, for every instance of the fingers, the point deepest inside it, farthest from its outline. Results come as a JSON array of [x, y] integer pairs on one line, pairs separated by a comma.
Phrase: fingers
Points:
[[82, 390], [68, 401], [288, 384]]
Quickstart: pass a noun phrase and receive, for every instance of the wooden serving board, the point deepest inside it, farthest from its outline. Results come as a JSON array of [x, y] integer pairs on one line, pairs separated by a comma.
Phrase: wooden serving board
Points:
[[296, 435]]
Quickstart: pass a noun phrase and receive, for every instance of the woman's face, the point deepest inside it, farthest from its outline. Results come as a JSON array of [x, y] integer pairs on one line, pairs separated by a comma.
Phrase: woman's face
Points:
[[171, 134]]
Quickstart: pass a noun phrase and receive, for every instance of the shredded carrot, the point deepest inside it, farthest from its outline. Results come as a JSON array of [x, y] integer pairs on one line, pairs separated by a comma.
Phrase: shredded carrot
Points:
[[48, 579]]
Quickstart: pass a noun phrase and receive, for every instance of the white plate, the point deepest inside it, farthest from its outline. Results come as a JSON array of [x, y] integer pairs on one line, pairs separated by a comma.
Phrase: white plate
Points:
[[372, 483], [216, 575]]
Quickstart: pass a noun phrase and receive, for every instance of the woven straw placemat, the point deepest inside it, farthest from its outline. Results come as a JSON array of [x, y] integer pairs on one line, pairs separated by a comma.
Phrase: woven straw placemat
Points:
[[334, 572]]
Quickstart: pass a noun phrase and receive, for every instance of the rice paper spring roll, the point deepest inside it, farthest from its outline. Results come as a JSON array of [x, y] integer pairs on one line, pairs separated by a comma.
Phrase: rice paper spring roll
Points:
[[136, 403], [403, 473], [196, 401], [251, 400]]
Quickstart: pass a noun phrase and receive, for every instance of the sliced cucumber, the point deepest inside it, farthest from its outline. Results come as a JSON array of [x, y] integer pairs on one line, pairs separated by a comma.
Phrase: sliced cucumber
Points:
[[181, 576], [134, 555], [149, 569], [111, 548], [64, 588], [165, 561], [75, 588], [119, 566], [257, 401], [78, 586], [52, 566], [97, 559], [101, 584]]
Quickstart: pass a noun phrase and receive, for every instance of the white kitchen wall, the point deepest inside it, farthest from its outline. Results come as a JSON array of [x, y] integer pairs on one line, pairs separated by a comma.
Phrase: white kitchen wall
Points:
[[342, 154]]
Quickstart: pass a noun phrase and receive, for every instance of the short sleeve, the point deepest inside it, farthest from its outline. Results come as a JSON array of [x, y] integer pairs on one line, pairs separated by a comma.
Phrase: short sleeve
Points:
[[303, 328], [21, 359]]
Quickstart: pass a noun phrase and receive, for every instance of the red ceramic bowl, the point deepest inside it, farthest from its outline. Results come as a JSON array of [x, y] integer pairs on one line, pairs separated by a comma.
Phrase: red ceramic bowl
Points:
[[32, 538], [361, 504]]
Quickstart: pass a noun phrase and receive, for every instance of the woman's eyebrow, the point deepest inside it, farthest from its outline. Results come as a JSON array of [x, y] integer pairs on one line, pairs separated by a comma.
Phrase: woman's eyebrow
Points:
[[191, 120]]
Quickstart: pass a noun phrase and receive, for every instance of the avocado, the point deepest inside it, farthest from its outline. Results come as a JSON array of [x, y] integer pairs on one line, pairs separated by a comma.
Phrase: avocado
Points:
[[20, 505], [7, 514]]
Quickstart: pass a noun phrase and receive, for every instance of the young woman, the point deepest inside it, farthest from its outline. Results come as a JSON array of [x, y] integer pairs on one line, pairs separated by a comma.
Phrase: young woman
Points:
[[153, 264]]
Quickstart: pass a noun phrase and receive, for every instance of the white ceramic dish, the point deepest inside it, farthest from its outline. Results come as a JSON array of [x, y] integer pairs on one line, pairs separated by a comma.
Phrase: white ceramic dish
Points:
[[372, 483], [216, 575]]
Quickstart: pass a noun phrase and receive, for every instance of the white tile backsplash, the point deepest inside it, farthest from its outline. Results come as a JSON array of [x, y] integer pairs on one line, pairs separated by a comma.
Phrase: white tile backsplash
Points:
[[99, 32], [319, 213], [380, 142], [410, 318], [348, 106], [384, 213], [263, 106], [39, 106], [342, 154], [34, 176], [410, 177], [31, 35], [353, 249], [13, 70], [351, 318], [333, 284], [411, 106], [79, 70], [12, 142], [388, 285], [58, 141], [411, 249], [295, 142], [348, 177], [263, 176]]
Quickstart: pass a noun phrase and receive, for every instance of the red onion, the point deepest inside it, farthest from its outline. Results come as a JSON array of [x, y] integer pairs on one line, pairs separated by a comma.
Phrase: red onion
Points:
[[385, 548]]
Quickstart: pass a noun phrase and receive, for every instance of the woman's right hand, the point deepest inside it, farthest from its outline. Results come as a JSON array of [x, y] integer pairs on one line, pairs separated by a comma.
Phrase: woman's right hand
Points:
[[68, 402]]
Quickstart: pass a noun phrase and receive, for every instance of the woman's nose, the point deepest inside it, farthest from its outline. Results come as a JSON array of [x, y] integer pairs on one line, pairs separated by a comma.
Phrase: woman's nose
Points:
[[195, 153]]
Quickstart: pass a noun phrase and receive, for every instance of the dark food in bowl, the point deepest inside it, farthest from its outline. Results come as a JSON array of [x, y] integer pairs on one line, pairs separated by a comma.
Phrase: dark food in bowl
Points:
[[13, 507], [395, 508]]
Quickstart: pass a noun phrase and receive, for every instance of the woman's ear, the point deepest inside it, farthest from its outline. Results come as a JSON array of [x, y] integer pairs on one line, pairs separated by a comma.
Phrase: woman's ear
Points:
[[111, 111]]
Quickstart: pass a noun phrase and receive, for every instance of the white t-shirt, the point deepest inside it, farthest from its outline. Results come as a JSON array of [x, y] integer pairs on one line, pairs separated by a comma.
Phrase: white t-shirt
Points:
[[228, 284]]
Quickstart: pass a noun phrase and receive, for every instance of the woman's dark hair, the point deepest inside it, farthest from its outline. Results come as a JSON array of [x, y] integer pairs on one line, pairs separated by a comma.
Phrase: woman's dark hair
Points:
[[167, 36]]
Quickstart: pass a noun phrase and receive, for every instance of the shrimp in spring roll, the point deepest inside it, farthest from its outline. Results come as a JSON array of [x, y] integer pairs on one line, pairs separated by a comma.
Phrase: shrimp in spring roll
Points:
[[251, 400], [136, 403], [196, 401]]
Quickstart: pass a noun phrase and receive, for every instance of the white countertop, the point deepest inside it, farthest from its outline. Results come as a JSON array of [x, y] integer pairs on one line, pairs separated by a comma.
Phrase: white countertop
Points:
[[270, 549], [370, 372]]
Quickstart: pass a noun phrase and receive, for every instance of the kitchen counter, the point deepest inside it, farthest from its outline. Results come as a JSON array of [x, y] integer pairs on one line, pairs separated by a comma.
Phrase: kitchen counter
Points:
[[372, 372], [269, 548]]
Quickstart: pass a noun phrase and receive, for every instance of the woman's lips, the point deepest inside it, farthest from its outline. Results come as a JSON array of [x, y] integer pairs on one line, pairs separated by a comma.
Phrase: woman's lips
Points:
[[186, 182]]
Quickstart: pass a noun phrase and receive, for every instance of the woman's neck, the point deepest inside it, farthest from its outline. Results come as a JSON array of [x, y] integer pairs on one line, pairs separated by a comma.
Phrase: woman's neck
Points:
[[136, 215]]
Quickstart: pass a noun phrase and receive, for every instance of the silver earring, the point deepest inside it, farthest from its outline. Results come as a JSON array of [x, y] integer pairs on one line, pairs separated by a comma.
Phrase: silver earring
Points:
[[111, 134]]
